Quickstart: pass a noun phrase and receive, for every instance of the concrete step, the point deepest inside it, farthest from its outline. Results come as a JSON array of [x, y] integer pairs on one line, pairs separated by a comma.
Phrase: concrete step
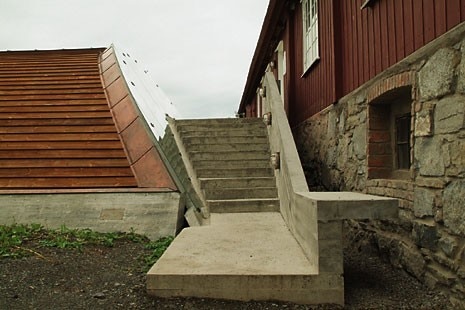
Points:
[[227, 147], [218, 124], [249, 182], [242, 257], [233, 172], [227, 132], [244, 205], [233, 155], [220, 121], [226, 164], [205, 140], [243, 193]]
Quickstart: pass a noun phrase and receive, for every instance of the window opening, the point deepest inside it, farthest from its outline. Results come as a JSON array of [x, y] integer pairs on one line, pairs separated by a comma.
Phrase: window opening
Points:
[[310, 31]]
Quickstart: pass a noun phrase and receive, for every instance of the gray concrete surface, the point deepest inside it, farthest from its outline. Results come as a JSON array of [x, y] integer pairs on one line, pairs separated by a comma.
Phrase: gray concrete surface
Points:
[[154, 214]]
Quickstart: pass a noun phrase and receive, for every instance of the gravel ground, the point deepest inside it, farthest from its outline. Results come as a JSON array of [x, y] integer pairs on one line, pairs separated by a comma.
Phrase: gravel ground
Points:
[[112, 278]]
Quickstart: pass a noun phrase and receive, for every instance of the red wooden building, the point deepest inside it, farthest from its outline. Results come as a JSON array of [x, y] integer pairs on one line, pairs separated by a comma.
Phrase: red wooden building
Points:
[[356, 40], [374, 91]]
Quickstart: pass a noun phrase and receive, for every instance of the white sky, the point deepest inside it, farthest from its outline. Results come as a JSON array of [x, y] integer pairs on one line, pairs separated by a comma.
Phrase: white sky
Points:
[[198, 51]]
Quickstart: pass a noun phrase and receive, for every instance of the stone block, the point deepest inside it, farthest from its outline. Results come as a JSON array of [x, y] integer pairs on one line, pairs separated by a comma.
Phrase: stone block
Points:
[[429, 156], [437, 75], [454, 207], [360, 142], [448, 245], [423, 204], [456, 156], [449, 115], [461, 71], [424, 122], [413, 261], [424, 234]]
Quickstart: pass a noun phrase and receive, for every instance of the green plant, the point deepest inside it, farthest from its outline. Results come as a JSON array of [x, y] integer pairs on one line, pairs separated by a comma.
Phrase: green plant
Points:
[[157, 249], [22, 240], [12, 238]]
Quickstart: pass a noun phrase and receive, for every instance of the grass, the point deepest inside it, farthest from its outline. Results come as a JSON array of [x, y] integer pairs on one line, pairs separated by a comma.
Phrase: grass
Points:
[[15, 240]]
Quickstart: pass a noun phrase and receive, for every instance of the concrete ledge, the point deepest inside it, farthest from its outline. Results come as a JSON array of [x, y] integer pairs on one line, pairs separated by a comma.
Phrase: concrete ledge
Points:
[[350, 205], [153, 214], [308, 289], [242, 256]]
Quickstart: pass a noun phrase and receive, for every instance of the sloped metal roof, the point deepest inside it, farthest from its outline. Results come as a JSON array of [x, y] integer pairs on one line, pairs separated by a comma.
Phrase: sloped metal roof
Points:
[[57, 130]]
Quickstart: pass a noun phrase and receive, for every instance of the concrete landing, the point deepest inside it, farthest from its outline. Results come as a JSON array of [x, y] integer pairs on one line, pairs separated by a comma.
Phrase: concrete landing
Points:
[[241, 256]]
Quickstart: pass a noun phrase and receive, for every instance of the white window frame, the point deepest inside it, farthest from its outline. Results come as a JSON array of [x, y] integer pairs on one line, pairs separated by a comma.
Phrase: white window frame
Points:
[[310, 33]]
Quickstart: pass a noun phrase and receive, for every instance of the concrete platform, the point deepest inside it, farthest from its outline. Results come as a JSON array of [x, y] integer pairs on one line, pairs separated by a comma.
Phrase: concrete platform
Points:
[[241, 256]]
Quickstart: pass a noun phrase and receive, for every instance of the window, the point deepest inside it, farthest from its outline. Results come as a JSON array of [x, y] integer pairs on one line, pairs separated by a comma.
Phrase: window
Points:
[[310, 32], [389, 135], [402, 144]]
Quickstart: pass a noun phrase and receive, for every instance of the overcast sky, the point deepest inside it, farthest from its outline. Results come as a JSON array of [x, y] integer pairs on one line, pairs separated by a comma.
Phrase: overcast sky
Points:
[[198, 51]]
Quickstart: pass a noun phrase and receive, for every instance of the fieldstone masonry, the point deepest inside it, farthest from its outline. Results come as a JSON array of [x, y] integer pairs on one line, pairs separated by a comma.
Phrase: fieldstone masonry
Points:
[[428, 239]]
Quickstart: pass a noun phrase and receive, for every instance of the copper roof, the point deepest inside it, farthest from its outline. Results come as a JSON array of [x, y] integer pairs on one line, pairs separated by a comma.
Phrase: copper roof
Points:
[[56, 124]]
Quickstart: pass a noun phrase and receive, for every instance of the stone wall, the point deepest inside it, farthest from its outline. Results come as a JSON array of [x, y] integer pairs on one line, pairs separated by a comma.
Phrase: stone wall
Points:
[[335, 146]]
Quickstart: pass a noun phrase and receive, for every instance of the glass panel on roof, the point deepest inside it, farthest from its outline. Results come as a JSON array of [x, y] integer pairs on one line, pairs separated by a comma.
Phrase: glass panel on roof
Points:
[[152, 101]]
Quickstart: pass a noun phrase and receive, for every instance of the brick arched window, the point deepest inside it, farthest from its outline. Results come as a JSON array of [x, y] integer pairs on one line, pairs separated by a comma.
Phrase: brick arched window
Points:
[[389, 127]]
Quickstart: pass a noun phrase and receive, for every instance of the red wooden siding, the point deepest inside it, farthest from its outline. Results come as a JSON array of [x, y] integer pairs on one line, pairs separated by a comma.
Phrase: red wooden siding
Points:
[[355, 45], [311, 92], [56, 129], [381, 35]]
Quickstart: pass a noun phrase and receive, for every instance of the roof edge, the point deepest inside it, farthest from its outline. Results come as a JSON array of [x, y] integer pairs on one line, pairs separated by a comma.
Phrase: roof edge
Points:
[[259, 59]]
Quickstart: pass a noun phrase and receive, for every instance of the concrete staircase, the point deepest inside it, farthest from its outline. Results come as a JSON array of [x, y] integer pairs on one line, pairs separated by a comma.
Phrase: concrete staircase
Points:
[[254, 246], [247, 251], [230, 159]]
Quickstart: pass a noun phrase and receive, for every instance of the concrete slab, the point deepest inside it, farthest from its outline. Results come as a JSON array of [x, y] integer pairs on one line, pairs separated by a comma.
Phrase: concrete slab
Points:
[[350, 205], [242, 256], [236, 243]]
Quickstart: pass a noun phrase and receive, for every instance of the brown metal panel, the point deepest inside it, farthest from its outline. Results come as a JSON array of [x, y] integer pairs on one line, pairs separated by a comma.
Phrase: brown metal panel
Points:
[[65, 172], [56, 129], [90, 182], [150, 171], [63, 162], [61, 145], [107, 62], [62, 153], [117, 91], [136, 140], [124, 113], [111, 74]]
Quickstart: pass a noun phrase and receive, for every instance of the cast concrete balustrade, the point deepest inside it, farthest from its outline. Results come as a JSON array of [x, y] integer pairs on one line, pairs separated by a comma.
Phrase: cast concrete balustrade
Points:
[[310, 214]]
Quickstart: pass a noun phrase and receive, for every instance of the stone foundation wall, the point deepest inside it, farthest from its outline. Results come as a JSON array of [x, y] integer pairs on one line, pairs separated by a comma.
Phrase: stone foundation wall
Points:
[[339, 152]]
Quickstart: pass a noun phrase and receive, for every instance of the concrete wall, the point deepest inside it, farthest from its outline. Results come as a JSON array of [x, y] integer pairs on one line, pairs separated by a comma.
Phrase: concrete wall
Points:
[[428, 239], [153, 214]]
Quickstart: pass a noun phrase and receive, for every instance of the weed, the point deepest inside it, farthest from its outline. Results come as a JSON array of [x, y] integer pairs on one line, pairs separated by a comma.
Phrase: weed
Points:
[[14, 241], [12, 238], [157, 248]]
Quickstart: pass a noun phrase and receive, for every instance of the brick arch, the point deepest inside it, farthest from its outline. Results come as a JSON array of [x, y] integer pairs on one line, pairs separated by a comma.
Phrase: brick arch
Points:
[[384, 99]]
